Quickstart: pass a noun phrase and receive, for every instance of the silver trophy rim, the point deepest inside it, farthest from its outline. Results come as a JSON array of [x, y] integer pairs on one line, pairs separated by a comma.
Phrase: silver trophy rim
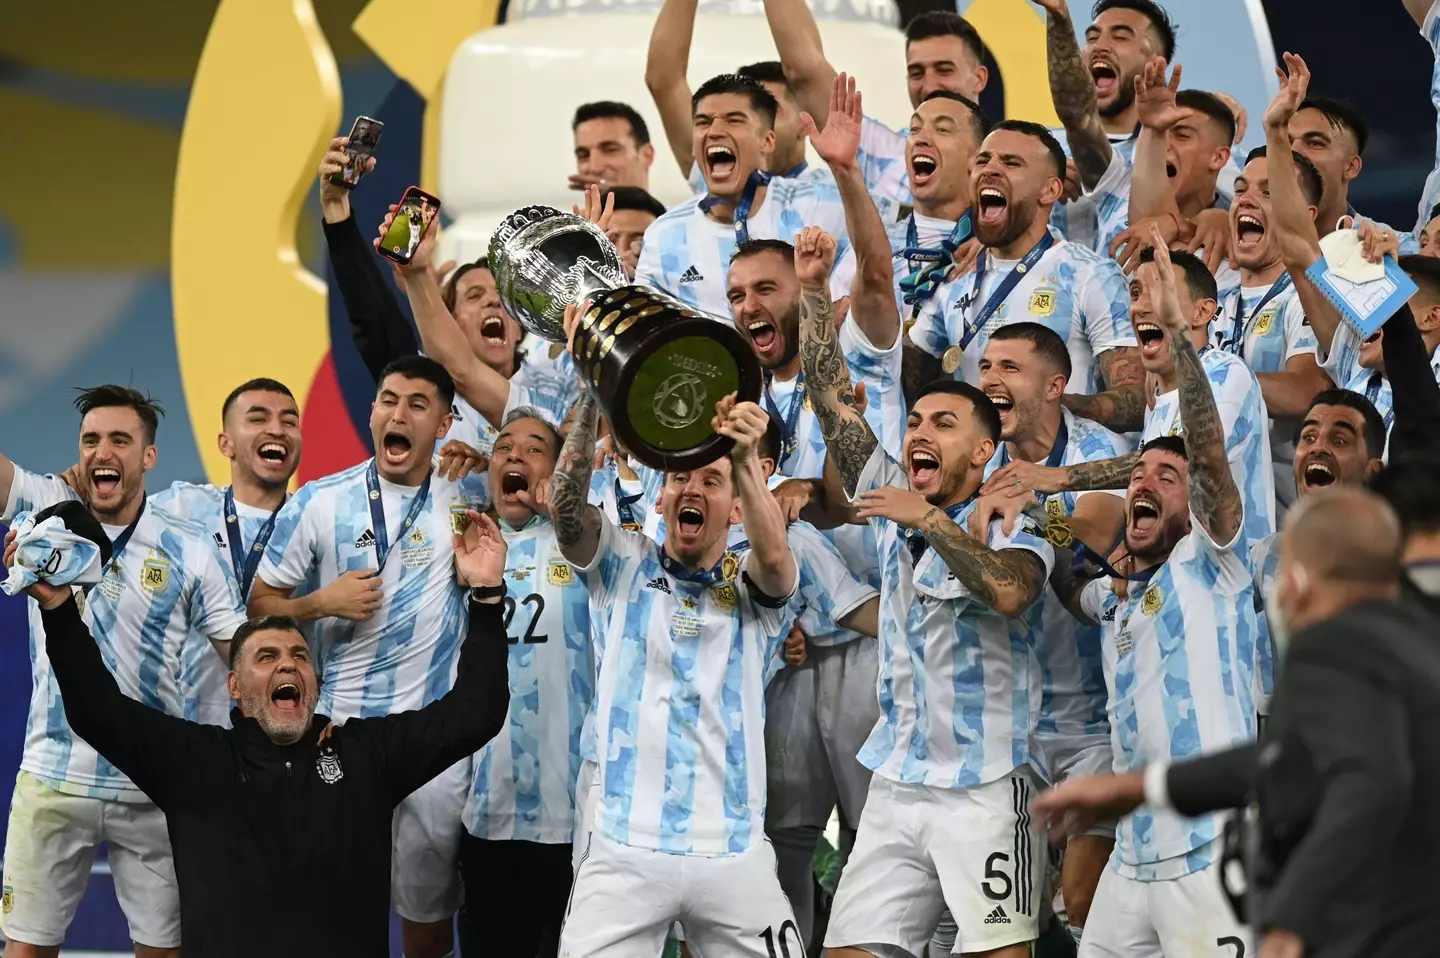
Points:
[[510, 253]]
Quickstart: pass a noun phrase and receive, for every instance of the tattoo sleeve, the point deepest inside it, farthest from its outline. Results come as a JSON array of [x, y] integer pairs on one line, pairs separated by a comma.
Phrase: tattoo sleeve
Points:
[[848, 438], [1214, 497], [1068, 585], [1121, 408], [1007, 581], [576, 522], [1101, 474], [1073, 91]]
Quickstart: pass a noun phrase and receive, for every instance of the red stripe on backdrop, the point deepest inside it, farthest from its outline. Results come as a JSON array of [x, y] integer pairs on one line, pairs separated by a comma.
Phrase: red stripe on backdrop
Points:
[[331, 442]]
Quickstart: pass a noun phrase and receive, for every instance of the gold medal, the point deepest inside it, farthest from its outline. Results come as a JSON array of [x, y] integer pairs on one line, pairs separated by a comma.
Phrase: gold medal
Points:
[[951, 360]]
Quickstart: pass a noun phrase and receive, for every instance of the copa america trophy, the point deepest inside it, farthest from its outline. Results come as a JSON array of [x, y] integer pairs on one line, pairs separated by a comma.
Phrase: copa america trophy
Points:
[[656, 367]]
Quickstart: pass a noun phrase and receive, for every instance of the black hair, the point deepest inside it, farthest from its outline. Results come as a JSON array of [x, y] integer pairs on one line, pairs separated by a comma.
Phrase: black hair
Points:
[[774, 440], [945, 23], [986, 415], [1198, 278], [532, 412], [604, 109], [1174, 445], [1312, 184], [634, 198], [753, 247], [762, 101], [260, 623], [1425, 271], [451, 291], [103, 397], [1160, 21], [1044, 340], [259, 384], [421, 367], [1412, 487], [1039, 132], [978, 123], [1374, 435], [766, 71], [1210, 105], [1434, 212], [1341, 115]]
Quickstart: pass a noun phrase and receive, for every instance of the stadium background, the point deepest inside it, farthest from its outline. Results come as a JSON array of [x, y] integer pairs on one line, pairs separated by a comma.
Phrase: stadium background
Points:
[[151, 148]]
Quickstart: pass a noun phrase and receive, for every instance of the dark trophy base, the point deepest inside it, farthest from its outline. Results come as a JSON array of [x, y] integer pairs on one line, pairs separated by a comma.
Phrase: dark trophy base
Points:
[[657, 368]]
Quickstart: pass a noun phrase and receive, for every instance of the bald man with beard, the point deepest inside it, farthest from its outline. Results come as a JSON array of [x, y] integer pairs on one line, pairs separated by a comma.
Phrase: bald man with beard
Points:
[[1347, 774]]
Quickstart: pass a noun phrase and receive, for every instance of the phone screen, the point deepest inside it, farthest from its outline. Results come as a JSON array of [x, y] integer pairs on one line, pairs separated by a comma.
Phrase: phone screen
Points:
[[364, 136], [413, 217]]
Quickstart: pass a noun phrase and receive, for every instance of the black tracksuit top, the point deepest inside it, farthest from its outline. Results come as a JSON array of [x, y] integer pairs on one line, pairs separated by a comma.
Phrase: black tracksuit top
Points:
[[282, 850]]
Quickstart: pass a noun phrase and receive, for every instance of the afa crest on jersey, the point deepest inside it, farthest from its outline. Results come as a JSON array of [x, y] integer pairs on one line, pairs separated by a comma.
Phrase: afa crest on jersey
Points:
[[1266, 320], [1042, 302], [458, 519], [155, 574], [1153, 598], [561, 573], [327, 766]]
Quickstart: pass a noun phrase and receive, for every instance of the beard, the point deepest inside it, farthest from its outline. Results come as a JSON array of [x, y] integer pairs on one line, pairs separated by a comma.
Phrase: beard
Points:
[[788, 326], [281, 731], [1124, 98], [1160, 547], [1017, 221]]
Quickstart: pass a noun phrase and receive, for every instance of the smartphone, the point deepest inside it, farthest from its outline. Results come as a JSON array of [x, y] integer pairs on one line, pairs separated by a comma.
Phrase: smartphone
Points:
[[413, 216], [364, 135]]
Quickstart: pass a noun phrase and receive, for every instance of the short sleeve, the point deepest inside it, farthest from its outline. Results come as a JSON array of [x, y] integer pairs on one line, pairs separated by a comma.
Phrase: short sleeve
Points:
[[552, 403], [881, 470], [1092, 598], [770, 611], [292, 552], [31, 492], [931, 332], [827, 586], [1299, 337], [216, 607], [1027, 537], [648, 270], [617, 547], [1342, 362], [1231, 559]]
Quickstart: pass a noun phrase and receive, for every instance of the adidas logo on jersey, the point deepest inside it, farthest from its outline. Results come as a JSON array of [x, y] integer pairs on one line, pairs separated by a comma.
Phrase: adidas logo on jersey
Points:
[[1108, 615], [366, 540], [659, 583], [997, 917], [219, 540], [691, 275]]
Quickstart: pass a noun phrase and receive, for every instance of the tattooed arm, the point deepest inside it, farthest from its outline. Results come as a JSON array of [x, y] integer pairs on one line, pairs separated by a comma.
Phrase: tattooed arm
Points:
[[1073, 91], [1068, 585], [577, 523], [1101, 474], [1007, 581], [849, 440], [1121, 408]]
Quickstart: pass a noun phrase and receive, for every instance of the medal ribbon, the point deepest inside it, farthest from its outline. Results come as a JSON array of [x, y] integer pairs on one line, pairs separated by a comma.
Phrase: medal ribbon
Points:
[[118, 544], [706, 577], [742, 209], [789, 422], [625, 505], [245, 565], [1240, 323], [1007, 285], [929, 267], [377, 513]]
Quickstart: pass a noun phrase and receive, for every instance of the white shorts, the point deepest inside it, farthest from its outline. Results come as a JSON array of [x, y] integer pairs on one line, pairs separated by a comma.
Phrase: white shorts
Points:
[[1075, 756], [921, 849], [817, 717], [1187, 917], [625, 900], [424, 870], [49, 848]]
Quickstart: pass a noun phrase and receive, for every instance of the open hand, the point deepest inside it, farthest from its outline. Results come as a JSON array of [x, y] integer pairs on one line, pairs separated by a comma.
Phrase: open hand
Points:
[[1162, 280], [839, 142], [1019, 479], [1212, 234], [457, 460], [480, 552], [424, 253], [901, 506], [1155, 97], [597, 212], [1074, 806], [1294, 82], [999, 505]]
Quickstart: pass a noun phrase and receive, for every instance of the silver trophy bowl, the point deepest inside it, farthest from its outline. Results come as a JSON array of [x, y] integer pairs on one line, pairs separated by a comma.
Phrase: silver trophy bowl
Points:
[[543, 260]]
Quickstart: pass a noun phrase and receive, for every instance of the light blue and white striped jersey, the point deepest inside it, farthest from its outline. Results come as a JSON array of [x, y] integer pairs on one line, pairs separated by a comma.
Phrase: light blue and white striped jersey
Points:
[[827, 590], [882, 164], [165, 590], [404, 656], [1179, 666], [1273, 337], [203, 678], [1072, 680], [1247, 434], [1111, 200], [1343, 366], [687, 254], [958, 685], [1430, 30], [680, 699], [1073, 290], [524, 784], [1264, 563]]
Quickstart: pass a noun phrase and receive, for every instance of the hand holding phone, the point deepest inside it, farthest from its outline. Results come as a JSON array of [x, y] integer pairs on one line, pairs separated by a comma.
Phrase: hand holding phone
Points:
[[359, 148], [407, 235]]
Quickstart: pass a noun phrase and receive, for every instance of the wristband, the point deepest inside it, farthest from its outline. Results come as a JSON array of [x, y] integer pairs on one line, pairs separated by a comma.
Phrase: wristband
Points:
[[481, 592]]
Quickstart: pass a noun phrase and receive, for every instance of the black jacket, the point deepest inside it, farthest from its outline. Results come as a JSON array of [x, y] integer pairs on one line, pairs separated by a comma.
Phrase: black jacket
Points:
[[282, 850], [1347, 779]]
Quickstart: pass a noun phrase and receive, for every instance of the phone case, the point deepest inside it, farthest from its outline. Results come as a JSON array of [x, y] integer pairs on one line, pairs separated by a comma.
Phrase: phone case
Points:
[[414, 216]]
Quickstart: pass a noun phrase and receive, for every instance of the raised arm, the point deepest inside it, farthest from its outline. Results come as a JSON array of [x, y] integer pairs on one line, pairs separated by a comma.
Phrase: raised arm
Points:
[[1416, 396], [666, 63], [379, 328], [1214, 497], [478, 384], [849, 440], [872, 292], [797, 38], [577, 523], [1151, 194], [1073, 91], [771, 567]]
